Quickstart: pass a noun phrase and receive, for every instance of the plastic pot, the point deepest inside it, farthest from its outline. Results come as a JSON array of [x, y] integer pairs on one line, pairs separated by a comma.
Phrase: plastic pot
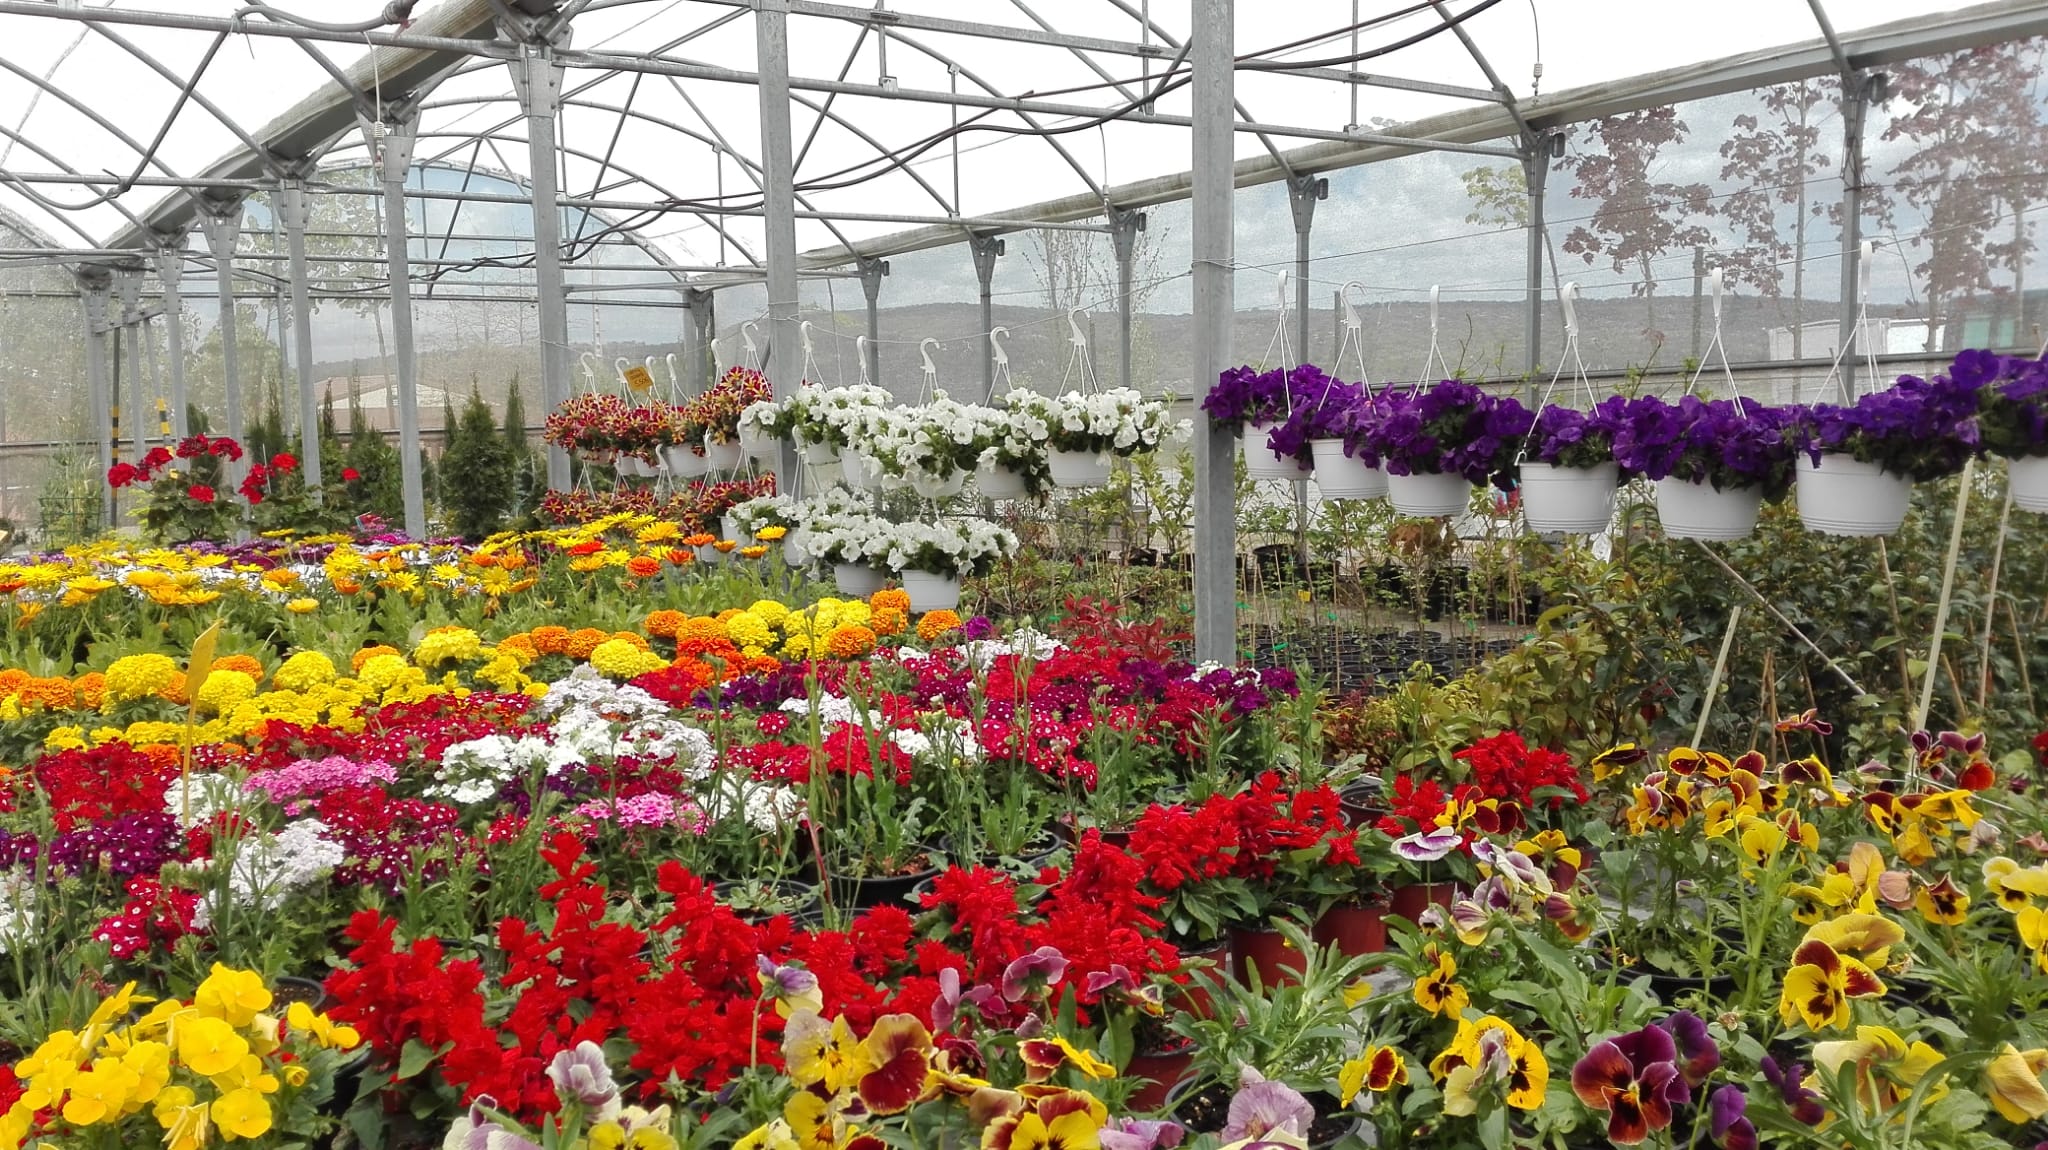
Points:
[[1842, 495], [1690, 510], [1267, 955], [856, 579], [1261, 462], [1426, 494], [1339, 476], [1354, 928], [2029, 479], [997, 482], [1411, 899], [1078, 468], [929, 592], [1575, 500], [722, 456]]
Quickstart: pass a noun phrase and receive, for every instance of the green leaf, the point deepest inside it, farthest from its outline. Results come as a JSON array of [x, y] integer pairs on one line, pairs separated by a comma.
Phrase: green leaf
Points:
[[417, 1056]]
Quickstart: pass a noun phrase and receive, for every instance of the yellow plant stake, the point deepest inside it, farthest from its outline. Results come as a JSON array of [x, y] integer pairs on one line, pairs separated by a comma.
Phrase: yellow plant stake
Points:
[[195, 677]]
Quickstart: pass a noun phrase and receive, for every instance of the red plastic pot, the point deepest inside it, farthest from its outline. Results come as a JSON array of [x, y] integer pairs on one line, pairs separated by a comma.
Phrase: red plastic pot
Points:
[[1411, 900], [1277, 960], [1166, 1069], [1354, 928]]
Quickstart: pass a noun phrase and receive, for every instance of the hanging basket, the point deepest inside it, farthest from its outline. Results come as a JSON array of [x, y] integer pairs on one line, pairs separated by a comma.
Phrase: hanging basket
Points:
[[1339, 476], [929, 592], [684, 462], [758, 446], [1842, 495], [2029, 479], [821, 454], [856, 579], [722, 456], [1428, 494], [1692, 510], [1577, 500], [1262, 462], [995, 481], [793, 552], [636, 467], [933, 487], [1079, 468]]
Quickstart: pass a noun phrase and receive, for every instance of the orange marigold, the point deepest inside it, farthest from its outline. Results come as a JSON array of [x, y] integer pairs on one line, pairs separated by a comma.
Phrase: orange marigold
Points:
[[90, 689], [665, 624], [849, 641], [895, 597], [521, 645], [887, 620], [11, 680], [701, 629], [550, 639], [249, 665], [643, 566], [356, 661], [582, 641], [763, 665], [630, 637], [52, 694], [937, 623], [696, 673]]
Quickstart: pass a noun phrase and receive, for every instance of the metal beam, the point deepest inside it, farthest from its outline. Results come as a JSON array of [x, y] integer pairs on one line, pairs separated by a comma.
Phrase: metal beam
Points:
[[223, 226], [93, 284], [872, 273], [391, 143], [170, 270], [985, 249], [1535, 175], [1215, 558], [1124, 227], [778, 176], [1857, 91], [128, 289], [291, 212], [538, 78]]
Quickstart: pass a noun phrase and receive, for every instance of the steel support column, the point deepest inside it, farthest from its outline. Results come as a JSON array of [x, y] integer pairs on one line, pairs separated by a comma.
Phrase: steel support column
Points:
[[1303, 194], [1535, 174], [390, 142], [1214, 252], [1858, 90], [703, 329], [170, 270], [778, 201], [128, 289], [872, 273], [986, 249], [538, 80], [292, 211], [1124, 226], [93, 285], [223, 229]]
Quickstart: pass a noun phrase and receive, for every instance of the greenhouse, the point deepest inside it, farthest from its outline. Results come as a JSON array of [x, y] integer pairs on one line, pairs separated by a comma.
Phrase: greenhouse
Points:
[[1023, 574]]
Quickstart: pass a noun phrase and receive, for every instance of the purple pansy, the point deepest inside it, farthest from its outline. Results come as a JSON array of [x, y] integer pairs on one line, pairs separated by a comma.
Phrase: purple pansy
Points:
[[1028, 972]]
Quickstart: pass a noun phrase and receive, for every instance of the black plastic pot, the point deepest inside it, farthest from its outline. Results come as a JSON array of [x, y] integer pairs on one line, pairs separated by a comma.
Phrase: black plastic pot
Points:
[[796, 898], [879, 890]]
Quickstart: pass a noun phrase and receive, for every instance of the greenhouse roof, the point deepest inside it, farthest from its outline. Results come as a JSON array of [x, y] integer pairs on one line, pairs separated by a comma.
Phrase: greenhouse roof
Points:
[[117, 114]]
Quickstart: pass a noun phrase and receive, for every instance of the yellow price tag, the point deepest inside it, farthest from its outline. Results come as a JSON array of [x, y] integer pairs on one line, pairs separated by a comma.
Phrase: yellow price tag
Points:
[[638, 378]]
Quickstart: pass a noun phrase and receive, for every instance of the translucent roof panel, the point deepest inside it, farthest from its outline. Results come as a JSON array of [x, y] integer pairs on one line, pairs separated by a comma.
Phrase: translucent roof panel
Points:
[[94, 97]]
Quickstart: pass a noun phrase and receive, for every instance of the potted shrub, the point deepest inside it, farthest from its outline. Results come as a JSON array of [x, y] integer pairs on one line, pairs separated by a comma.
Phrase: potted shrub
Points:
[[1714, 462], [766, 423], [2013, 418], [1438, 444], [187, 496], [932, 449], [1255, 404], [1084, 431], [1569, 476], [824, 420], [1863, 458], [583, 426], [932, 558]]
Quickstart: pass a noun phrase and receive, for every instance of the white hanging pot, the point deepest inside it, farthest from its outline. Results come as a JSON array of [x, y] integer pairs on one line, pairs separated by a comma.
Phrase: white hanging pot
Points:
[[936, 487], [1842, 495], [1339, 476], [598, 457], [1426, 494], [856, 579], [635, 467], [1692, 510], [709, 554], [853, 469], [758, 446], [1078, 468], [793, 552], [1262, 463], [684, 462], [2029, 479], [821, 454], [929, 592], [721, 456], [1578, 500], [998, 482], [732, 531]]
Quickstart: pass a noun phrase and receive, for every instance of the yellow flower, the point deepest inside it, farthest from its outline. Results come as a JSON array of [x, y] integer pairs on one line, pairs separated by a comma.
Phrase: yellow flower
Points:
[[301, 1017], [1869, 936], [1818, 987], [1438, 991], [1887, 1068], [302, 606], [99, 1093], [210, 1046], [304, 671], [1942, 903], [771, 534], [753, 551], [296, 1075], [135, 677], [151, 1064], [2013, 1083], [1490, 1050], [224, 690], [447, 645], [1084, 1061], [242, 1113], [618, 659], [818, 1052], [1379, 1069], [237, 996]]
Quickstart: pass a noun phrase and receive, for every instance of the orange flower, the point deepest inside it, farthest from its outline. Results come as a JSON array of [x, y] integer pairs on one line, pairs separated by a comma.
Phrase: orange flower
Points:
[[849, 640], [356, 661], [630, 638], [343, 585], [679, 557], [696, 673], [643, 566], [724, 546], [754, 552], [550, 639], [582, 641], [895, 597], [12, 680], [887, 620], [249, 665], [664, 624], [700, 539], [91, 689], [937, 623], [587, 547], [520, 645]]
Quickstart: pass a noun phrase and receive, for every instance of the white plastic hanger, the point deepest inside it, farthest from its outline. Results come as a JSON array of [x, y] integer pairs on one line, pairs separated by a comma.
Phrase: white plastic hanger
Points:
[[860, 344], [753, 356], [1077, 355], [1353, 338], [931, 370], [1717, 283], [1435, 356], [996, 336]]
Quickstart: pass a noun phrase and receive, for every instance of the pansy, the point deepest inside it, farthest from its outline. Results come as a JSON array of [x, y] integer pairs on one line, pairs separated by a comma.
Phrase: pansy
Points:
[[1428, 846], [1032, 972], [1634, 1079], [1437, 990], [1887, 1068], [2012, 1081], [1819, 985], [1377, 1069]]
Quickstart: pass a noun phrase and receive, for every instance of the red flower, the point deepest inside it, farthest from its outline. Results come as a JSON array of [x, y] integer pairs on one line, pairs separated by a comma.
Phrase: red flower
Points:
[[284, 461], [122, 474], [157, 457], [350, 475], [200, 493], [225, 446], [193, 445]]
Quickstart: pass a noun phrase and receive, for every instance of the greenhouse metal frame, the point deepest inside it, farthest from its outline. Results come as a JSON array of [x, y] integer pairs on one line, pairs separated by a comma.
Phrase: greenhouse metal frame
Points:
[[377, 100]]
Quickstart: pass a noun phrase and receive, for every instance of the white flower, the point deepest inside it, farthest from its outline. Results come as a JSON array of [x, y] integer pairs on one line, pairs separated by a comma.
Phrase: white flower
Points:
[[209, 795], [17, 908], [267, 868]]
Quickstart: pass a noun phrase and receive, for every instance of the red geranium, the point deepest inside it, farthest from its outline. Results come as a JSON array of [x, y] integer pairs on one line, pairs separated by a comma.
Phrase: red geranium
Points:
[[350, 475], [122, 474], [200, 493], [284, 461]]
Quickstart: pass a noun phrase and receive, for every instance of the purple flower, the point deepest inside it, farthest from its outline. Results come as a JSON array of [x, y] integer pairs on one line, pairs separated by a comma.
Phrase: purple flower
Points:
[[1140, 1134], [580, 1074], [1803, 1104], [1428, 846], [1700, 441], [946, 1007], [1260, 1108], [1918, 428], [1042, 967], [1634, 1080], [1245, 395], [1567, 437], [1727, 1122], [1454, 428], [1701, 1055]]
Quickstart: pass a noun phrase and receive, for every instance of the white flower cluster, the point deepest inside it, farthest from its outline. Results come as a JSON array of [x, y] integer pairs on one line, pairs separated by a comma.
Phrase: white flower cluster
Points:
[[833, 416], [924, 448], [846, 537], [587, 690], [764, 511], [1023, 642], [955, 547], [196, 799], [764, 806], [267, 868], [474, 771], [831, 708], [17, 908], [1118, 420], [945, 741]]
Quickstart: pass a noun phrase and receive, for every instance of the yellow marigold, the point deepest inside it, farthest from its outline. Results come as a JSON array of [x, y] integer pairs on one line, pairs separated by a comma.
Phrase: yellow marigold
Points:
[[855, 612], [888, 621], [749, 630], [771, 612], [849, 641], [303, 671], [618, 659], [937, 623], [519, 647], [381, 673], [225, 688], [135, 677], [65, 739], [502, 674], [550, 639], [582, 641], [356, 661], [447, 645], [895, 597], [729, 614], [664, 624], [632, 637], [797, 646]]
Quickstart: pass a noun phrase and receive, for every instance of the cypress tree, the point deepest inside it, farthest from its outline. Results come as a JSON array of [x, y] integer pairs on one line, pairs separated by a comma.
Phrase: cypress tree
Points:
[[476, 471]]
